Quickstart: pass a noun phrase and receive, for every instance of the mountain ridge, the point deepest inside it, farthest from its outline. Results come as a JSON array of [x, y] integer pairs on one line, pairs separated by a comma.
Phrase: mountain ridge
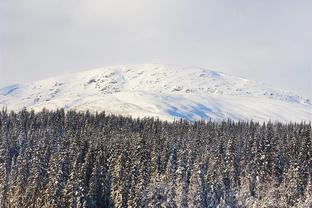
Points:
[[163, 91]]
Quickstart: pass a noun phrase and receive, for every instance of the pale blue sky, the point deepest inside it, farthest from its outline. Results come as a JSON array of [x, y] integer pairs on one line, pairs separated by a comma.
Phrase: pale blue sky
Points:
[[263, 40]]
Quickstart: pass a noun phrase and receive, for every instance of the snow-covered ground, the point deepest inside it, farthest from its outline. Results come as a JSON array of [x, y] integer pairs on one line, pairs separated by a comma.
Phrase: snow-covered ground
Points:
[[164, 91]]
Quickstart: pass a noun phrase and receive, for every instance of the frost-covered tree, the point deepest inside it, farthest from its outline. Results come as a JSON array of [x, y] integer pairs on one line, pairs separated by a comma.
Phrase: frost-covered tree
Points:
[[79, 159]]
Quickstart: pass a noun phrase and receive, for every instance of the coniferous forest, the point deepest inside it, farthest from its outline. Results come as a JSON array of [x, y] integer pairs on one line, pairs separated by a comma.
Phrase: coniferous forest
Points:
[[75, 159]]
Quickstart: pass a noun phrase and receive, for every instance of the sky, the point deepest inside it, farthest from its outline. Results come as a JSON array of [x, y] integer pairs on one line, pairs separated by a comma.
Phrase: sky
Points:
[[262, 40]]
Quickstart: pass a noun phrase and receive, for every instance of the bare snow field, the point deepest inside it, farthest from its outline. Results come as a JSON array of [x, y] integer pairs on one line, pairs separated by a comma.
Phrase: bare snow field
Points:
[[164, 91]]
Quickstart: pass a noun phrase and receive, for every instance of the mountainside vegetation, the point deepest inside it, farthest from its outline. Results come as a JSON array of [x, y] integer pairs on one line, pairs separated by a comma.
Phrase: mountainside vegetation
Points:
[[81, 159]]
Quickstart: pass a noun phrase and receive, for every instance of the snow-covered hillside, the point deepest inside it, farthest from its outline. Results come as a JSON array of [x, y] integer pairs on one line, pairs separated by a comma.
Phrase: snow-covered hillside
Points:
[[164, 91]]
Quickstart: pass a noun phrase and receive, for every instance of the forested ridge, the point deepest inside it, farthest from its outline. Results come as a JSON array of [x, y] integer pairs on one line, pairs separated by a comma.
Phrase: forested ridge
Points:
[[75, 159]]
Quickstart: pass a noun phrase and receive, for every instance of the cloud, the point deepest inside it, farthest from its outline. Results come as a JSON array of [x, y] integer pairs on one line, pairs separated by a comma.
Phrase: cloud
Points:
[[262, 40]]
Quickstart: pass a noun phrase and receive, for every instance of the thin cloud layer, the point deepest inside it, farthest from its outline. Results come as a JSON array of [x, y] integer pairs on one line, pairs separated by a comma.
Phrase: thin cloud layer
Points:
[[260, 40]]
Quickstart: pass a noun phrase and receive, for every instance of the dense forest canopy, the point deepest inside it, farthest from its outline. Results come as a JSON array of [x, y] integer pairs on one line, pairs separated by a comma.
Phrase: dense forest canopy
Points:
[[75, 159]]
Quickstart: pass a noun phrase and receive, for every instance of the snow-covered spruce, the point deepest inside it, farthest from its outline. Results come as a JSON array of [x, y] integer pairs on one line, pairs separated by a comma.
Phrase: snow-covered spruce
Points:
[[53, 159]]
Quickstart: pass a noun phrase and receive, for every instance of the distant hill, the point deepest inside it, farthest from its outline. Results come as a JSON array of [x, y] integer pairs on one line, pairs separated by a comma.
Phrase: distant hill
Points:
[[164, 91]]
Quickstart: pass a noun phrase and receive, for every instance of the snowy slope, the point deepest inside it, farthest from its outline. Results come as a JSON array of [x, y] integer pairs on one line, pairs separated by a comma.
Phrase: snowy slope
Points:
[[164, 91]]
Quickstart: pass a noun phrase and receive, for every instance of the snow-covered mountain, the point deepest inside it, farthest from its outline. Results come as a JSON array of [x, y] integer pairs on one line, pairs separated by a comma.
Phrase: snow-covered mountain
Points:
[[164, 91]]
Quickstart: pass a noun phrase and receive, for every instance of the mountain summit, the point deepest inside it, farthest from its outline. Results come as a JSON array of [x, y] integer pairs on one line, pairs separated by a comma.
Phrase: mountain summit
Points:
[[164, 91]]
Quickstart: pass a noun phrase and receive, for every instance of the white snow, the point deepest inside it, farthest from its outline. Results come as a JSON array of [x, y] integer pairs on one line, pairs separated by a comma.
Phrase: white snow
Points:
[[164, 91]]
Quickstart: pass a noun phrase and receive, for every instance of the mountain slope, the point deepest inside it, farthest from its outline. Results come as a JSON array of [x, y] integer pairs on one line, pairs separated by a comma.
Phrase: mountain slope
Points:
[[164, 91]]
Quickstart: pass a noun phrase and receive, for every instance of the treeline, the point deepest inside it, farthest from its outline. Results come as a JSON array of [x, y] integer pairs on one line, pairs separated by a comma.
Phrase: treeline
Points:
[[74, 159]]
